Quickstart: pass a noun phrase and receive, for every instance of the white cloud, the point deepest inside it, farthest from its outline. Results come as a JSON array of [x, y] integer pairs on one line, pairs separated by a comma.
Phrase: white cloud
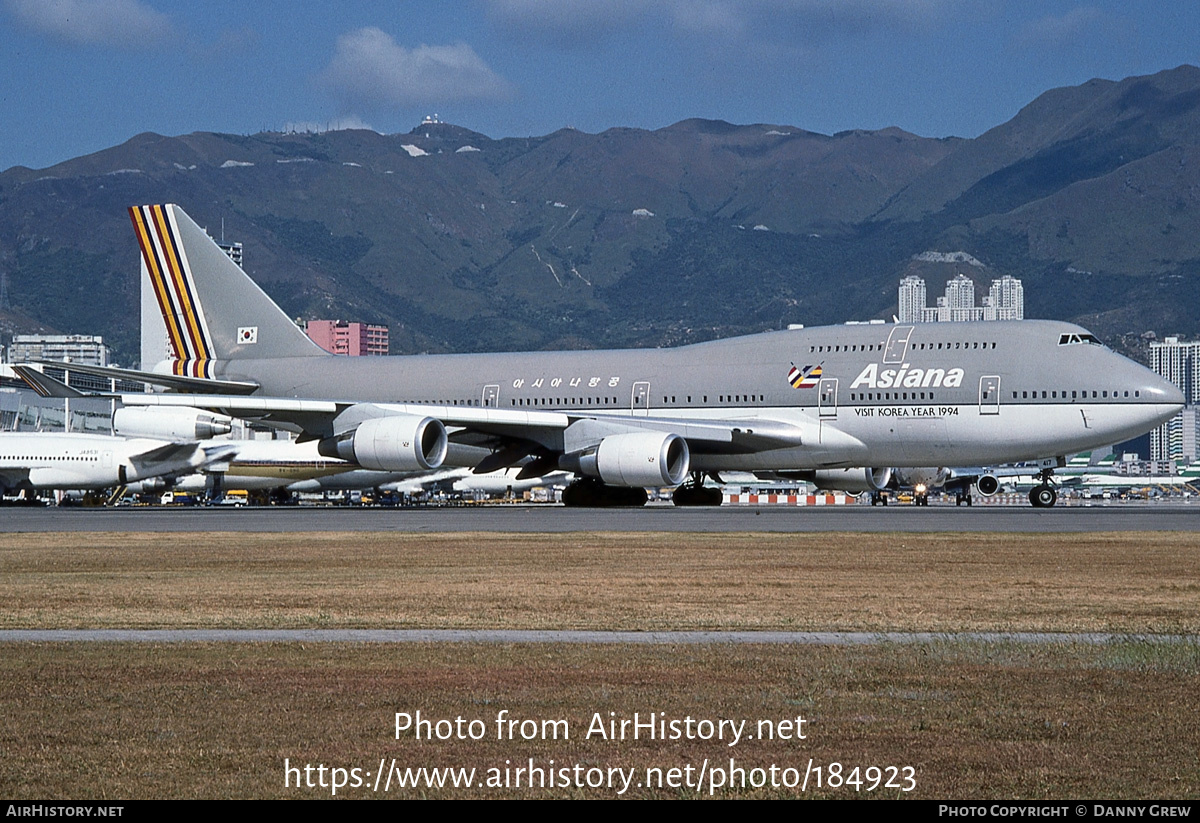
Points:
[[370, 70], [722, 22], [125, 23]]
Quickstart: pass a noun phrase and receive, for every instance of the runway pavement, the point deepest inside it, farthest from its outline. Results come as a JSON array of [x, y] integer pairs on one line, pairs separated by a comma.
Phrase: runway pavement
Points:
[[554, 519]]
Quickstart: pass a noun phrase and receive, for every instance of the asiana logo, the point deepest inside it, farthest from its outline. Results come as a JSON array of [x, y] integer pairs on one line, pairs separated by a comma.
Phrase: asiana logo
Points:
[[872, 378]]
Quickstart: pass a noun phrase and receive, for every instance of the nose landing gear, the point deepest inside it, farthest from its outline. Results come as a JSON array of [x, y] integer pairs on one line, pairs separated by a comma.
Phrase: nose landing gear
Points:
[[1043, 496]]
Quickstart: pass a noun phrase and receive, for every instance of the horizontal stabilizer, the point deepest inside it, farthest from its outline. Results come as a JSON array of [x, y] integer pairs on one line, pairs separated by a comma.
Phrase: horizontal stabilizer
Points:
[[45, 385], [190, 385]]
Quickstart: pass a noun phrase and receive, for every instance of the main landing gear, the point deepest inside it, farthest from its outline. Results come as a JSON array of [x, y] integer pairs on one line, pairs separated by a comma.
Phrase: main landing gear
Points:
[[963, 498], [588, 492], [695, 493], [879, 498], [1043, 496]]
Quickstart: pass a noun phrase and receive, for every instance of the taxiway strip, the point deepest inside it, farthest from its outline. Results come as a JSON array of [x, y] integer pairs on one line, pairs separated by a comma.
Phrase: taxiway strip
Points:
[[555, 519]]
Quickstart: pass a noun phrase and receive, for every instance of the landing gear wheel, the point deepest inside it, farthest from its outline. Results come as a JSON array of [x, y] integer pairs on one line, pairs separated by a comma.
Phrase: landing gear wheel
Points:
[[1043, 497], [589, 492], [689, 495]]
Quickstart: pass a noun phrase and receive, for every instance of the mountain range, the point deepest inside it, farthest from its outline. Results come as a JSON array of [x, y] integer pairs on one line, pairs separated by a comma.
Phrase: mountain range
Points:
[[461, 242]]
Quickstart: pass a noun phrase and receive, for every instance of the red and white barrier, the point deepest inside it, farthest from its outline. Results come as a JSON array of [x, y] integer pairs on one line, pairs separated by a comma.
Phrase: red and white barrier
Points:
[[789, 500]]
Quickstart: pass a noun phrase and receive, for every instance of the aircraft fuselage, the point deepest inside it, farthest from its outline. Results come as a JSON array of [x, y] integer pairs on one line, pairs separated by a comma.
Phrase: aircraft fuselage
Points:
[[937, 394]]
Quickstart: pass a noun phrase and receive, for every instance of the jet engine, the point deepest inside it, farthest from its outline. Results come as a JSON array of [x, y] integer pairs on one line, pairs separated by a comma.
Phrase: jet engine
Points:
[[638, 459], [398, 443], [987, 484], [151, 485], [169, 423], [855, 481]]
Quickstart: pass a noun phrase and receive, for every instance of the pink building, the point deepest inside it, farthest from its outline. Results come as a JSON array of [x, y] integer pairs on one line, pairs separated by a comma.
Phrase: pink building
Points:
[[353, 339]]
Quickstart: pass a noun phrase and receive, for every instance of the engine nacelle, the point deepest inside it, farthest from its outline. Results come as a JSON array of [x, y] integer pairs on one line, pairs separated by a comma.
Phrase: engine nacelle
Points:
[[987, 484], [855, 481], [150, 485], [922, 479], [398, 443], [638, 459], [169, 423]]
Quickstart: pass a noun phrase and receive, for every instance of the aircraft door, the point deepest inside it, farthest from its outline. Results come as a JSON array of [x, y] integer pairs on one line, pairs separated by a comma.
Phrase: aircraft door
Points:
[[491, 396], [640, 402], [827, 397], [897, 344], [989, 394], [106, 459]]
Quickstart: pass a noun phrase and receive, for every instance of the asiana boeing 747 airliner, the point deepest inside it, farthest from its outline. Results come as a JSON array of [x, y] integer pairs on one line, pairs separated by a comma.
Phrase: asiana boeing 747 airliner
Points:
[[937, 394]]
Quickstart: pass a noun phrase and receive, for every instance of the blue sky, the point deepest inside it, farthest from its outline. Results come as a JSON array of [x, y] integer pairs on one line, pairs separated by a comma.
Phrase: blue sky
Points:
[[82, 75]]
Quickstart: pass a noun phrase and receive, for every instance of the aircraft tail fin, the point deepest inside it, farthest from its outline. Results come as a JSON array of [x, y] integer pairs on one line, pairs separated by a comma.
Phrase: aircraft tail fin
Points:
[[1080, 461], [212, 310]]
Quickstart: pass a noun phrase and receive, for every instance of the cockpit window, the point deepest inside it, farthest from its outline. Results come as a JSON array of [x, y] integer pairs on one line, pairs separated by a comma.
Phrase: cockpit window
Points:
[[1077, 339]]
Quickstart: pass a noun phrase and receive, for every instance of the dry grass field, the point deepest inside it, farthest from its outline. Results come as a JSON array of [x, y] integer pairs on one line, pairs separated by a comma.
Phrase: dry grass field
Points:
[[973, 720], [1119, 582]]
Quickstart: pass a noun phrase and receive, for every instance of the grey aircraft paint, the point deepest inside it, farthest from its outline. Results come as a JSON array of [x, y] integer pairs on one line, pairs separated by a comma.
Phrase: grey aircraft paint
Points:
[[936, 394]]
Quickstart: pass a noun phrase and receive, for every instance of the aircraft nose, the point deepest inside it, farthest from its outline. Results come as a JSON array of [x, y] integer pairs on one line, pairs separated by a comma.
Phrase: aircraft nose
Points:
[[1163, 397], [1160, 390]]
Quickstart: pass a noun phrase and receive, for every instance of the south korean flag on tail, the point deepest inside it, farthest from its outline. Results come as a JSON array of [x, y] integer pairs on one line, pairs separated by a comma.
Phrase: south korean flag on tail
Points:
[[247, 335]]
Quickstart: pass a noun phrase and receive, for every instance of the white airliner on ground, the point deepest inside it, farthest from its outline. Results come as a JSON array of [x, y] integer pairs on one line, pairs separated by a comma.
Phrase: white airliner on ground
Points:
[[267, 465], [962, 481], [936, 394], [1188, 476], [35, 461]]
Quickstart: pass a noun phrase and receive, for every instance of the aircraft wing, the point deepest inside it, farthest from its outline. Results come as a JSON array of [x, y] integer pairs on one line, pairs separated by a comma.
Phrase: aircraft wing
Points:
[[174, 456], [486, 426], [511, 436]]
